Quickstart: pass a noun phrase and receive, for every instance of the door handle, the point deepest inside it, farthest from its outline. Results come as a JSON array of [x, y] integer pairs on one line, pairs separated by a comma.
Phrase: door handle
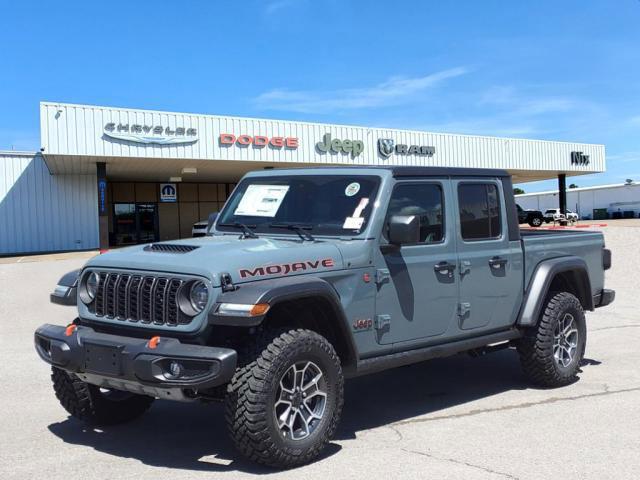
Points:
[[444, 268], [497, 262]]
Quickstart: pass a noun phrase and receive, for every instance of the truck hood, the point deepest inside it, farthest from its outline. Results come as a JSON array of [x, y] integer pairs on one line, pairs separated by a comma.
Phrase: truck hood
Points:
[[245, 260]]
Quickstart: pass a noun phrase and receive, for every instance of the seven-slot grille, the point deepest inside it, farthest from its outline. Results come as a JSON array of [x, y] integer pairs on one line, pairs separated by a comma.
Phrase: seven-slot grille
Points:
[[139, 298]]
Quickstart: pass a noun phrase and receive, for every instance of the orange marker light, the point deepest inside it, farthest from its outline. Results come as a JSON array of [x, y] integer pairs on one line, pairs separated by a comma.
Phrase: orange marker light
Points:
[[70, 329], [153, 343], [259, 309]]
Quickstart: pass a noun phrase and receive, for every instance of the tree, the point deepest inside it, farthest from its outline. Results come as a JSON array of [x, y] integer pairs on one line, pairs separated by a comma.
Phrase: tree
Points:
[[517, 191], [573, 185]]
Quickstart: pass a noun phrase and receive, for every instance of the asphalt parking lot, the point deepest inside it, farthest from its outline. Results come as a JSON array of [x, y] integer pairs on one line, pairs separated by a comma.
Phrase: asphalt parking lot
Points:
[[459, 417]]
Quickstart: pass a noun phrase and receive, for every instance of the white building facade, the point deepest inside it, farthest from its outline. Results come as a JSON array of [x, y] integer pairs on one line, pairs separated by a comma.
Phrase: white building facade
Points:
[[115, 176], [619, 200]]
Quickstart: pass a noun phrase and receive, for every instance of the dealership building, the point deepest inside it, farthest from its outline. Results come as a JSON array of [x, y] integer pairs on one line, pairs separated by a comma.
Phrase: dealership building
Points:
[[620, 200], [108, 177]]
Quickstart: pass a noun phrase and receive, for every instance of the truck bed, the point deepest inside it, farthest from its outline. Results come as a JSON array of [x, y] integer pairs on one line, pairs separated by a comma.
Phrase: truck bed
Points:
[[539, 245]]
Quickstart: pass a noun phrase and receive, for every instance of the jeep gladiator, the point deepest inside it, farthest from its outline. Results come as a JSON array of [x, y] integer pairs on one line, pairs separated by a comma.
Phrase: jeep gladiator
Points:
[[310, 276]]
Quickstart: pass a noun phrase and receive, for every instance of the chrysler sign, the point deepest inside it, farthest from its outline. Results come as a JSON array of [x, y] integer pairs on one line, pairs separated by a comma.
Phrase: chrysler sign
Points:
[[150, 134], [388, 146]]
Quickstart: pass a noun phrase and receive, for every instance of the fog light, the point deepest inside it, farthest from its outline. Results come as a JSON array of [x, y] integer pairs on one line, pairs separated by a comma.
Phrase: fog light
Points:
[[175, 370]]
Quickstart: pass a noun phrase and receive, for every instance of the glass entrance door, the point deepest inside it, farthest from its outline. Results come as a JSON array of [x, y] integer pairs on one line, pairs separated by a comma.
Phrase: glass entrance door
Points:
[[147, 216], [135, 223]]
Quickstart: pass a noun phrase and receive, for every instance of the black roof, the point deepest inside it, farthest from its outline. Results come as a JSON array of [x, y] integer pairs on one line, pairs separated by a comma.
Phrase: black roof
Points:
[[401, 172], [446, 171]]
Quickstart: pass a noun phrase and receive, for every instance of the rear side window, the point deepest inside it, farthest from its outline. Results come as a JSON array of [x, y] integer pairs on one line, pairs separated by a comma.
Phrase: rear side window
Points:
[[423, 200], [479, 211]]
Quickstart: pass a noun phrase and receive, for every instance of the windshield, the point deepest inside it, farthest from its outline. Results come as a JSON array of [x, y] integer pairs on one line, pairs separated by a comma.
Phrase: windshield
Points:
[[553, 210], [321, 204]]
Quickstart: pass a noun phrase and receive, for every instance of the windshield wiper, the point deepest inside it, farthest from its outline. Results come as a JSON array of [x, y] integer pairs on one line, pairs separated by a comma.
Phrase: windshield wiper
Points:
[[301, 230], [246, 229]]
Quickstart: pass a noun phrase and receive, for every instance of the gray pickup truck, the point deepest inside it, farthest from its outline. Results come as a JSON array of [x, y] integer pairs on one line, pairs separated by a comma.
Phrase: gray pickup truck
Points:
[[310, 276]]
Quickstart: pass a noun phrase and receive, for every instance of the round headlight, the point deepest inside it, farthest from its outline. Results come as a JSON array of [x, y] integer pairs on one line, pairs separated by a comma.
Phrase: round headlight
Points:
[[199, 296], [89, 288]]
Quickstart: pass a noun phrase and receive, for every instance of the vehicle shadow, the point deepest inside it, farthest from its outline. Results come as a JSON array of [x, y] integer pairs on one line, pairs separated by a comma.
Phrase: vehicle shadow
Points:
[[192, 436]]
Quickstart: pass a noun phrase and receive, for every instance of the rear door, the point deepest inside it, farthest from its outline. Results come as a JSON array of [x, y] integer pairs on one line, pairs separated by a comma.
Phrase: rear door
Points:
[[417, 295], [490, 263]]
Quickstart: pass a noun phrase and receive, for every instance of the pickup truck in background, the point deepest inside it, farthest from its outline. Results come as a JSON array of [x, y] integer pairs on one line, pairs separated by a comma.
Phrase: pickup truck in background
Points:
[[533, 217], [311, 276]]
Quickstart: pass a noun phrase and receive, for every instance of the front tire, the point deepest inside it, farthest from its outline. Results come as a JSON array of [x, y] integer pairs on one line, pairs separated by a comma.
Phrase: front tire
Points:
[[284, 402], [551, 352], [94, 405]]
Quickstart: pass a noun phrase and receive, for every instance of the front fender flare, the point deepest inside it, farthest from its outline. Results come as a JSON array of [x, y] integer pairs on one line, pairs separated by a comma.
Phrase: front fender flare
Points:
[[277, 290], [541, 280]]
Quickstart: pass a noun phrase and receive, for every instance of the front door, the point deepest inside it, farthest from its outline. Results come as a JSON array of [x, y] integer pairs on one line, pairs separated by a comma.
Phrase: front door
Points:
[[135, 223], [417, 295], [490, 263]]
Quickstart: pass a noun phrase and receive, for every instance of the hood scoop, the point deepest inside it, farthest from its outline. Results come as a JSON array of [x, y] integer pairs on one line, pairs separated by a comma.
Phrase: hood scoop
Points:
[[169, 248]]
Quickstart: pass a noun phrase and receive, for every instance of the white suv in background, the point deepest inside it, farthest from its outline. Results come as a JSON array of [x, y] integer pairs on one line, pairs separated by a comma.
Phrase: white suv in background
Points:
[[199, 228], [554, 215]]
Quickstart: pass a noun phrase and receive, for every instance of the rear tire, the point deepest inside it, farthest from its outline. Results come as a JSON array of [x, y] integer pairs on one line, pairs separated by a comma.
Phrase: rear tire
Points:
[[263, 401], [94, 405], [551, 352]]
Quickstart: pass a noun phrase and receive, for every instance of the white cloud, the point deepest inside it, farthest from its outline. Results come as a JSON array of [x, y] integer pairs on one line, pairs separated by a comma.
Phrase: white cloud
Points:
[[509, 98], [391, 92], [273, 7]]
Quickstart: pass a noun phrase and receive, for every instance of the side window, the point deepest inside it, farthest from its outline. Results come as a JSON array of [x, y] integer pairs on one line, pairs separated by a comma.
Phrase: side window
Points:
[[425, 201], [479, 211]]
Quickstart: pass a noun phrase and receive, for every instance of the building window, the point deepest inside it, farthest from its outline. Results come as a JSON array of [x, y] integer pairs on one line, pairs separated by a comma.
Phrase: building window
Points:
[[479, 211], [423, 200]]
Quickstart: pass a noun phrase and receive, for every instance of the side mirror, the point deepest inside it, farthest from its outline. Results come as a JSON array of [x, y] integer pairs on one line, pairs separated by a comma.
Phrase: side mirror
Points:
[[212, 219], [404, 229]]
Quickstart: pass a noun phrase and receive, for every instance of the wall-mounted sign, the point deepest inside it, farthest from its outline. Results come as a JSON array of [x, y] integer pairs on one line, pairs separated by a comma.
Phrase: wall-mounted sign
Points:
[[579, 158], [168, 192], [388, 146], [102, 196], [150, 134], [258, 141], [354, 147]]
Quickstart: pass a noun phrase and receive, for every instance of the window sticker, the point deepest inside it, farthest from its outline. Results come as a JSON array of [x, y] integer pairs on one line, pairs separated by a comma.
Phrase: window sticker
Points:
[[356, 221], [261, 200], [361, 206], [352, 189], [353, 223]]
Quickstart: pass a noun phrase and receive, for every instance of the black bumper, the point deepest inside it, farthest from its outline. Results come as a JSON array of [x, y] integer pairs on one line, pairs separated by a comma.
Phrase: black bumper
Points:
[[604, 298], [131, 364]]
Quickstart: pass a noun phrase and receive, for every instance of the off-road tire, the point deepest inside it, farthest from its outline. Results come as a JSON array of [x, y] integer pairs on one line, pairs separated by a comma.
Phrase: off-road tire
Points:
[[250, 399], [536, 347], [87, 403]]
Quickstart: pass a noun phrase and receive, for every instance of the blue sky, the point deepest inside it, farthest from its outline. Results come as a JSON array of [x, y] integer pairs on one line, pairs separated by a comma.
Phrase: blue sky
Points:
[[566, 70]]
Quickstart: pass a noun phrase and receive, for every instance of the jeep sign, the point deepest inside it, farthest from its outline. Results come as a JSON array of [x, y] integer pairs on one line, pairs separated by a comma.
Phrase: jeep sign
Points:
[[354, 147]]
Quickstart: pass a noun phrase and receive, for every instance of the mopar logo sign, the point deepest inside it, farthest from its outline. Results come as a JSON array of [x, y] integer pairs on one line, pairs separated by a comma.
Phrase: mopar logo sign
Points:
[[168, 192]]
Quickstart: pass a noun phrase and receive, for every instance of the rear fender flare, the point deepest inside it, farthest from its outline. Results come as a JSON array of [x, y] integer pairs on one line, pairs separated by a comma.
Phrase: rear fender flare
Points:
[[540, 283]]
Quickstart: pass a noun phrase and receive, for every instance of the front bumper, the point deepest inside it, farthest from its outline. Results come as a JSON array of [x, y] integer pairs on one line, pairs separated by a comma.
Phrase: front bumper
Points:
[[604, 298], [131, 364]]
